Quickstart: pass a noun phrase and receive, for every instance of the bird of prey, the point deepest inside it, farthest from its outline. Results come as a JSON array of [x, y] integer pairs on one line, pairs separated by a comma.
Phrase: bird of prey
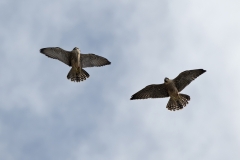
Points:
[[76, 60], [171, 88]]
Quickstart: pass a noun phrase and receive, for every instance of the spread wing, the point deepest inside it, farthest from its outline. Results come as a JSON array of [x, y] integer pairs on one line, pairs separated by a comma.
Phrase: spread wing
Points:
[[186, 77], [92, 60], [57, 53], [151, 91]]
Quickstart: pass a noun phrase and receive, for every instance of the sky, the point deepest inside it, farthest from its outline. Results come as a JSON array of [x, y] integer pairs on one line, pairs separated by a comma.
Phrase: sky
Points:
[[43, 115]]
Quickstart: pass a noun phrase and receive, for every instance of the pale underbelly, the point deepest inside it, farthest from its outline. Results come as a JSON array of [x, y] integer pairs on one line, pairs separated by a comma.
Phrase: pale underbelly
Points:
[[173, 92]]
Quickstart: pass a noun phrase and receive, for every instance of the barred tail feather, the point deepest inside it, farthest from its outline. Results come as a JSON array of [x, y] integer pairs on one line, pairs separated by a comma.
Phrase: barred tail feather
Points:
[[172, 105], [77, 76], [177, 104]]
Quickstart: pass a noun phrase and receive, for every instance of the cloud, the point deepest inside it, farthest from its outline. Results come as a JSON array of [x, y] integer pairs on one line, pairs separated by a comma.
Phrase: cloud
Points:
[[45, 116]]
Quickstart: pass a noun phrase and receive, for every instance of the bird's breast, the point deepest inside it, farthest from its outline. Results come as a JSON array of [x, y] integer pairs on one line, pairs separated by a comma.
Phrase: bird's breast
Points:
[[172, 90], [78, 59]]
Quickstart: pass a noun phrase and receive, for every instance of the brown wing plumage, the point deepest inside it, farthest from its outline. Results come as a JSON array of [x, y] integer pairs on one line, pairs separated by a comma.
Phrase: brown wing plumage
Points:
[[57, 53], [186, 77], [92, 60], [151, 91]]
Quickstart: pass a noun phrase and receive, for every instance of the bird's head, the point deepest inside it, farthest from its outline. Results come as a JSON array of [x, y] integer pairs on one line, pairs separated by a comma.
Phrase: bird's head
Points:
[[166, 80], [77, 49]]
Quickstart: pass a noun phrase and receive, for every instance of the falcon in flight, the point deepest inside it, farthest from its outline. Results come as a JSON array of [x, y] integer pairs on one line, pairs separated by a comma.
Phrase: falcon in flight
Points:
[[76, 60], [171, 88]]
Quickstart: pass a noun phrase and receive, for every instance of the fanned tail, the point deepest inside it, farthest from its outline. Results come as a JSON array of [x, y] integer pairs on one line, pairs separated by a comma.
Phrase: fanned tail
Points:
[[177, 104], [76, 75]]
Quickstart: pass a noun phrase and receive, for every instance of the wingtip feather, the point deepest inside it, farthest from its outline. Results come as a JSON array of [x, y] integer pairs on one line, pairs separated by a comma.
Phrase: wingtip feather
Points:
[[203, 71], [134, 97], [41, 50]]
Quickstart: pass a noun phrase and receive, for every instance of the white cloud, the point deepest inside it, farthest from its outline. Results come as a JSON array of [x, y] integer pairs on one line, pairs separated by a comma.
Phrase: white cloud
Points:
[[45, 116]]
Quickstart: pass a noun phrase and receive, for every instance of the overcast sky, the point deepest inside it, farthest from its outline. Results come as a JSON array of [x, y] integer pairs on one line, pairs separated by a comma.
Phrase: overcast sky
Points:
[[44, 116]]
